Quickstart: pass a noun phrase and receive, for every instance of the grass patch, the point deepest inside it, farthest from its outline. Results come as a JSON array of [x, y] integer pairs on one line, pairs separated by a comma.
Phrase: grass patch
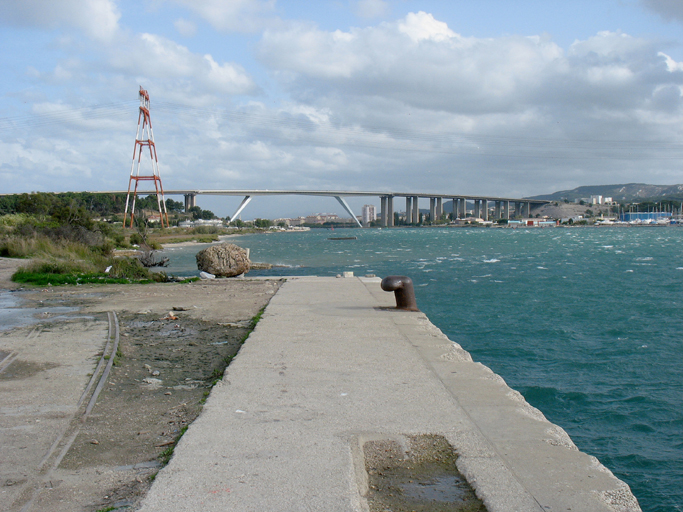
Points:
[[207, 239], [57, 272], [117, 357], [255, 319], [166, 455], [42, 279]]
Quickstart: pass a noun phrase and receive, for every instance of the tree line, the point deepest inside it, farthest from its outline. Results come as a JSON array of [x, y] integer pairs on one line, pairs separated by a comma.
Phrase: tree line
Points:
[[95, 205]]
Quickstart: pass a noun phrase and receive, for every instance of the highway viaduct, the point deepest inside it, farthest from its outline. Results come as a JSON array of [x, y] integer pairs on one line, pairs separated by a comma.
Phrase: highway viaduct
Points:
[[502, 206]]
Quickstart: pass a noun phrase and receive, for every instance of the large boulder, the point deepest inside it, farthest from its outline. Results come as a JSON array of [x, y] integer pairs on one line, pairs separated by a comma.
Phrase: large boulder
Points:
[[223, 260]]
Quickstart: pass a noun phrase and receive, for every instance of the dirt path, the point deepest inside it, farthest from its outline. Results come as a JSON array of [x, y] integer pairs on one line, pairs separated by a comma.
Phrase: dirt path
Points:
[[9, 266], [55, 454]]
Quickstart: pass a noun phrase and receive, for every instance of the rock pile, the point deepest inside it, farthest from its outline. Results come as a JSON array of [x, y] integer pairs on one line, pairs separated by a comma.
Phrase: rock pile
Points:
[[223, 260]]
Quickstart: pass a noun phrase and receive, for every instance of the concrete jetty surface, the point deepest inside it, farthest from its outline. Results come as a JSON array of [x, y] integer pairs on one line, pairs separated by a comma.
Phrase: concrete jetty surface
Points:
[[329, 367]]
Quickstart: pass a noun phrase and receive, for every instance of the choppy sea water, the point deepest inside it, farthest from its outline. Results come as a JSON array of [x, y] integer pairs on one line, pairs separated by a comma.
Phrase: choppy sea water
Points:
[[587, 323]]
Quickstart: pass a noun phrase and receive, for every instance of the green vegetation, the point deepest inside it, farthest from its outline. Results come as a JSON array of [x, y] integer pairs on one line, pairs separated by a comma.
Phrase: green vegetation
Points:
[[65, 242], [256, 319], [166, 455], [198, 213], [263, 223], [117, 357]]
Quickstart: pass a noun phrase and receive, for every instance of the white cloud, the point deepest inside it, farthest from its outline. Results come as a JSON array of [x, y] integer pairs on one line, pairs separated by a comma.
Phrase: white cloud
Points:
[[155, 57], [371, 8], [671, 64], [419, 62], [96, 18], [420, 26], [233, 15]]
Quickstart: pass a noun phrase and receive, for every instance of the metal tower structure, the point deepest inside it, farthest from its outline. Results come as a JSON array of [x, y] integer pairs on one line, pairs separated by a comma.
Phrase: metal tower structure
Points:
[[145, 138]]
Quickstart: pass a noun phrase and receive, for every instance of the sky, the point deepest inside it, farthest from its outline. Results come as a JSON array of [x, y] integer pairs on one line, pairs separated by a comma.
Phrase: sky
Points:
[[493, 97]]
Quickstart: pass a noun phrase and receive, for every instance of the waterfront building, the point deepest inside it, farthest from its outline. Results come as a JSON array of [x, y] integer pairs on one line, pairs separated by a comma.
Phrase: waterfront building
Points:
[[321, 218], [368, 214]]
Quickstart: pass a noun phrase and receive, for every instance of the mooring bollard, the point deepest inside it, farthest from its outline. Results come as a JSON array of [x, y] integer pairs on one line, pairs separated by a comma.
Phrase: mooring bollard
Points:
[[402, 286]]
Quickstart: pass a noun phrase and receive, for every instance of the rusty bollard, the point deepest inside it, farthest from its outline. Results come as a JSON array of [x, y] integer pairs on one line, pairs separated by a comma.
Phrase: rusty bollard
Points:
[[402, 286]]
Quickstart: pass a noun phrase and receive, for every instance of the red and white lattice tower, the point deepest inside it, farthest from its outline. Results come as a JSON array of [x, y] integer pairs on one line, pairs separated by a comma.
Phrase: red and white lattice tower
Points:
[[145, 138]]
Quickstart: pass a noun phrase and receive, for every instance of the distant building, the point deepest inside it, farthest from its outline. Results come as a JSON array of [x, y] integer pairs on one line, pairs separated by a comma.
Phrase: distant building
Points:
[[322, 218], [200, 222], [295, 222], [596, 199], [368, 214]]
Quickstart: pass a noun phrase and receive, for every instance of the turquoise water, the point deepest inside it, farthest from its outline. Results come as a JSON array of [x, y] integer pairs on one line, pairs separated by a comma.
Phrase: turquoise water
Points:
[[587, 323]]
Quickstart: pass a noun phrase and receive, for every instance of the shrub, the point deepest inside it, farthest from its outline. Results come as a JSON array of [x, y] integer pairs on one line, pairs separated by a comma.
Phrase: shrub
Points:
[[129, 268], [206, 230]]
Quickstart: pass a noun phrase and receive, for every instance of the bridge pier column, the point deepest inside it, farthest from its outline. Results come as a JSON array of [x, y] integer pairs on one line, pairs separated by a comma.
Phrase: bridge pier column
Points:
[[416, 210], [409, 210], [526, 207], [463, 207], [432, 209], [383, 211], [506, 210], [485, 209], [190, 201], [476, 208], [390, 211], [497, 209], [439, 208]]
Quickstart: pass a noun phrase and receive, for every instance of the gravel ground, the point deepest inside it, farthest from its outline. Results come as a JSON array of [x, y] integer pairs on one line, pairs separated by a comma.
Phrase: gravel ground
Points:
[[54, 457]]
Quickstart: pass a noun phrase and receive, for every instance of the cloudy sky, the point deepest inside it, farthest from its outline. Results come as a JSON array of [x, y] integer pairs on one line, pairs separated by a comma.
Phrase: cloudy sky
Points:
[[492, 97]]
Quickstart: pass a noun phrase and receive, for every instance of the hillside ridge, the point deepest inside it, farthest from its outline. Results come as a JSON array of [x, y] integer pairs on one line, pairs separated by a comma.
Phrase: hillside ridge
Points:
[[622, 192]]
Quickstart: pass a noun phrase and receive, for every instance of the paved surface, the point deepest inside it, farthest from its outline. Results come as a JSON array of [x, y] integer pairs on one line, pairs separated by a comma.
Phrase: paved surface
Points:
[[326, 370], [42, 377]]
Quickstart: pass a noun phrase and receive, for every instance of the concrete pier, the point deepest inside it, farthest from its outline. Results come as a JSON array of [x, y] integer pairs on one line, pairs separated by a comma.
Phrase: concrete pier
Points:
[[190, 201], [387, 213], [332, 365]]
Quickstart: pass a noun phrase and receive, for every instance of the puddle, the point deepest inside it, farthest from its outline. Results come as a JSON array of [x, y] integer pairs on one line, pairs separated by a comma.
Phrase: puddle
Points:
[[13, 315], [446, 488], [418, 477]]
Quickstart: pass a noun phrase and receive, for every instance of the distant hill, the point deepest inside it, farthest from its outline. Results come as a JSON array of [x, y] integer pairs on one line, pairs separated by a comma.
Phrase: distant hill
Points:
[[629, 192]]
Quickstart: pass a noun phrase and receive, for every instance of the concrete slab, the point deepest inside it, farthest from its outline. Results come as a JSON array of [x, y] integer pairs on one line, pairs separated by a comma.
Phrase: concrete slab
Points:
[[328, 367]]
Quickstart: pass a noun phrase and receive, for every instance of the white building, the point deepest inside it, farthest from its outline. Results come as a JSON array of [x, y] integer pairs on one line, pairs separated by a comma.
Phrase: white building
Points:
[[368, 213], [596, 199]]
